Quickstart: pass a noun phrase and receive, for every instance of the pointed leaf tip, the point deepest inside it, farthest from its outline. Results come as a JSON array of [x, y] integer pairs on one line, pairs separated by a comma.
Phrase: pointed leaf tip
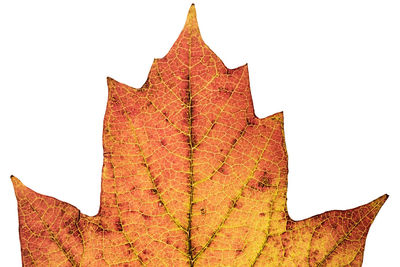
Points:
[[110, 83], [191, 19], [382, 199], [109, 80], [16, 182], [18, 186]]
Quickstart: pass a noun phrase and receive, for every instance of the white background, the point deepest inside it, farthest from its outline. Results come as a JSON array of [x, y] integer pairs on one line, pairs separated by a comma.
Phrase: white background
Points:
[[331, 66]]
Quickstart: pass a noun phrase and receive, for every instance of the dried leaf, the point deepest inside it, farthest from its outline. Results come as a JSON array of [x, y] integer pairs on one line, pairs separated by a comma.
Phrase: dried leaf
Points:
[[190, 177]]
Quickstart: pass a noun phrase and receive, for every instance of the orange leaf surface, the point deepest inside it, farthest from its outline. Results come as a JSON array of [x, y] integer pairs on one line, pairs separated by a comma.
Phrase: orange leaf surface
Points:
[[190, 177]]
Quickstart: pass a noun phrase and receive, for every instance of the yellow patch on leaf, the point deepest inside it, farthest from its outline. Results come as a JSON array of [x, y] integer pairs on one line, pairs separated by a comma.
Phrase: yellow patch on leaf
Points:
[[190, 177]]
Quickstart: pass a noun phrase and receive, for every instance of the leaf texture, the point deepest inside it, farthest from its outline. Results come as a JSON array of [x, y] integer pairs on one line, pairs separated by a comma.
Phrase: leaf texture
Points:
[[191, 177]]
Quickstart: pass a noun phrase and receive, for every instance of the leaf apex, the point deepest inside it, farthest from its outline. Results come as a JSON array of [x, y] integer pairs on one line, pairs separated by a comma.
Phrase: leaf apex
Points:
[[16, 182], [191, 19], [18, 186], [382, 199], [109, 79], [111, 82]]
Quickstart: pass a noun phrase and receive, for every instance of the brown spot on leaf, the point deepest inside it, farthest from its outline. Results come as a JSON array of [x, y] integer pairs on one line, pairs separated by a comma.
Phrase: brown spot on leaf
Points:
[[222, 170], [25, 252], [99, 255], [238, 252], [68, 222], [224, 91], [153, 191], [146, 84], [229, 71], [146, 217], [118, 225], [250, 121], [237, 204], [203, 211], [264, 181]]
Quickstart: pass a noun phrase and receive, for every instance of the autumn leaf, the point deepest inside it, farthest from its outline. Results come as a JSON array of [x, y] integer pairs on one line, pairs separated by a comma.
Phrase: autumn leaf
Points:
[[190, 177]]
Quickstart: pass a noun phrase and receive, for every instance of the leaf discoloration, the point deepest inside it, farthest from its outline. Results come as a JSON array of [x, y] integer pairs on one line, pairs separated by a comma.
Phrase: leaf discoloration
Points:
[[191, 177]]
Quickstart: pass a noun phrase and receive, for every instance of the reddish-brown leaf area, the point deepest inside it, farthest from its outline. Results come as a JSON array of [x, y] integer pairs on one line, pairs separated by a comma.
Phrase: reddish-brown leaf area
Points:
[[190, 177]]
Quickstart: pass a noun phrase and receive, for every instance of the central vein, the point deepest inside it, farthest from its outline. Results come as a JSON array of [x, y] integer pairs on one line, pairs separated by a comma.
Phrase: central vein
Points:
[[191, 146]]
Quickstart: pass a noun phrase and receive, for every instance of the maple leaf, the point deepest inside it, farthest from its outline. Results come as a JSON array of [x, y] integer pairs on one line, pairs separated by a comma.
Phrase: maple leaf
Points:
[[190, 177]]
